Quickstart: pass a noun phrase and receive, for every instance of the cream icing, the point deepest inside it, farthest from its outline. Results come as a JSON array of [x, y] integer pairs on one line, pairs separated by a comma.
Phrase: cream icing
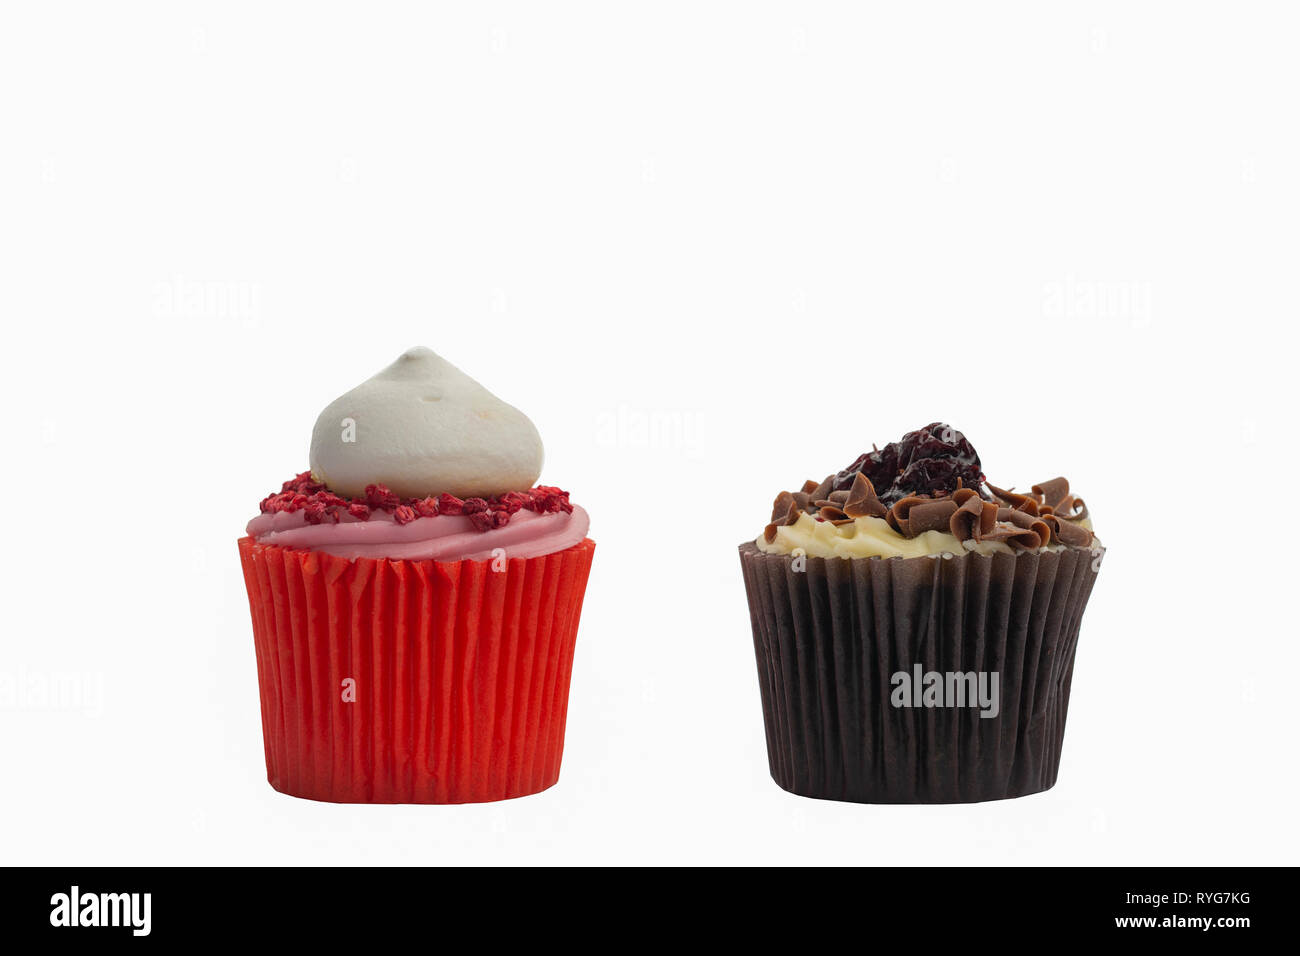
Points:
[[869, 537]]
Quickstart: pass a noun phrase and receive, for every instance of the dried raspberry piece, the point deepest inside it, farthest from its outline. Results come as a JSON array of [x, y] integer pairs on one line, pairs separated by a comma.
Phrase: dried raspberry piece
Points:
[[545, 499], [319, 504], [512, 501], [378, 496], [293, 483], [302, 484]]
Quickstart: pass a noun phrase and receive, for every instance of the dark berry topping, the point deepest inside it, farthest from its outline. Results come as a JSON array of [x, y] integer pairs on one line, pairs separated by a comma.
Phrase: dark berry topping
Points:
[[933, 460]]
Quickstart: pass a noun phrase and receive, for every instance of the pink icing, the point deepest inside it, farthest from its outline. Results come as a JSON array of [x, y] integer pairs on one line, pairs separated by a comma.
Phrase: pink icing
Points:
[[442, 538]]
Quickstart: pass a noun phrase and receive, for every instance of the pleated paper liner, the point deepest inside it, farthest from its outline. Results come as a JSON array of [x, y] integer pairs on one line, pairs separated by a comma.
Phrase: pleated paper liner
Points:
[[829, 639], [413, 681]]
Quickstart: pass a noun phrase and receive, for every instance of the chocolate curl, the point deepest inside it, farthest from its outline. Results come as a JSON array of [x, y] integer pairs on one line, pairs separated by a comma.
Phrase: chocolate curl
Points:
[[780, 518], [931, 516], [1067, 533], [1049, 514], [1073, 508], [834, 515], [974, 518], [1016, 501], [927, 518], [1027, 522], [1022, 519], [1024, 538], [1053, 492], [862, 501], [782, 505], [963, 495], [1002, 493], [897, 516]]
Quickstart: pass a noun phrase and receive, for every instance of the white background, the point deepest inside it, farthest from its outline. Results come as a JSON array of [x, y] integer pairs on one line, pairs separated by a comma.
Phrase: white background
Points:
[[712, 250]]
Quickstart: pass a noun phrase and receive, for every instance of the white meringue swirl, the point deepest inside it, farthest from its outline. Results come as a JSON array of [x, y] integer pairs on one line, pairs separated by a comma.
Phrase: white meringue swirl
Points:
[[423, 427]]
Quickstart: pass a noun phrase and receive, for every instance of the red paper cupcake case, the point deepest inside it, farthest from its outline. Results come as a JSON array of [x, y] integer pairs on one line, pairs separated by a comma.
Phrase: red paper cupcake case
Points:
[[460, 673]]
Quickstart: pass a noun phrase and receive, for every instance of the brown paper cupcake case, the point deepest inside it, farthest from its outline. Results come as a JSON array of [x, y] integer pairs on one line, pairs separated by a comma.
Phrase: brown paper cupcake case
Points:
[[830, 637]]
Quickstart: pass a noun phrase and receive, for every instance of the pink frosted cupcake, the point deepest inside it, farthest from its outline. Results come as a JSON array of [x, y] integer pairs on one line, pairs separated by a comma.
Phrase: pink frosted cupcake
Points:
[[415, 599]]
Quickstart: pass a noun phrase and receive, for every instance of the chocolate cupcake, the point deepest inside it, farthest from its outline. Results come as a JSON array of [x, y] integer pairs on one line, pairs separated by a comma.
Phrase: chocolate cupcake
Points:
[[915, 627]]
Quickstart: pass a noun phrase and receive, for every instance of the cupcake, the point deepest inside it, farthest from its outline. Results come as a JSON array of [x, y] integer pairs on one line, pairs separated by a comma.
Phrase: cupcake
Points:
[[415, 599], [915, 627]]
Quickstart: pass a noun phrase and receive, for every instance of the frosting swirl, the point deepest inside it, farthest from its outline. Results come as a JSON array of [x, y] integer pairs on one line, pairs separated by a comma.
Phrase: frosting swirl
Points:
[[929, 507], [421, 462], [444, 538]]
